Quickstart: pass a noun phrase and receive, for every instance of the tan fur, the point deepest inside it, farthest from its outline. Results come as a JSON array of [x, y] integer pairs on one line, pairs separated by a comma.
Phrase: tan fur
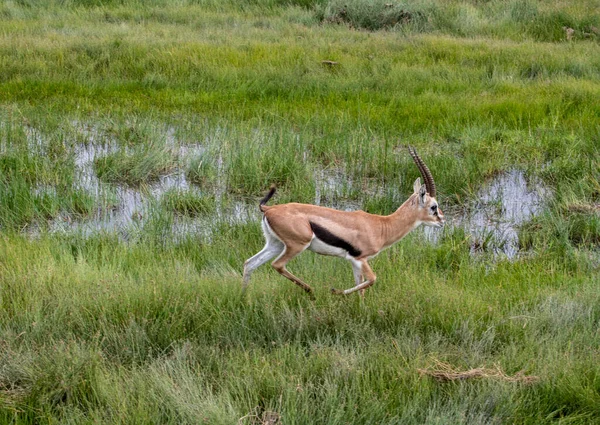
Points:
[[369, 233]]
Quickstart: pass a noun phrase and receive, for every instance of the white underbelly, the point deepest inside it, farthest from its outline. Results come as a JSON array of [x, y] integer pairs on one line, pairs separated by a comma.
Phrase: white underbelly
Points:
[[322, 248]]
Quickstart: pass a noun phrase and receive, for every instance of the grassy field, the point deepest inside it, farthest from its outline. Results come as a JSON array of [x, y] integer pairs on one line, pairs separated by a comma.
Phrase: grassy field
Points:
[[172, 118]]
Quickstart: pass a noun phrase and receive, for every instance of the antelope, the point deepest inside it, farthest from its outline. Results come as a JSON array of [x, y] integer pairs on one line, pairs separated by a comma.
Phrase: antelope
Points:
[[357, 236]]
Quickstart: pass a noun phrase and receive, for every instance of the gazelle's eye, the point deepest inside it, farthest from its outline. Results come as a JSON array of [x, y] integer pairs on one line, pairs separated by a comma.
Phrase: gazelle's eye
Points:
[[433, 208]]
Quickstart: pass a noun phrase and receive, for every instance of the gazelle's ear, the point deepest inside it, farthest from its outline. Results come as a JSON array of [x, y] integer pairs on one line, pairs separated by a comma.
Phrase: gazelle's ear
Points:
[[422, 193], [417, 185]]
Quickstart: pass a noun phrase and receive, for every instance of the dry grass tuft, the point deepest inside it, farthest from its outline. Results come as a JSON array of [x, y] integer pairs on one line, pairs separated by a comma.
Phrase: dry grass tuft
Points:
[[446, 372], [267, 417], [586, 208]]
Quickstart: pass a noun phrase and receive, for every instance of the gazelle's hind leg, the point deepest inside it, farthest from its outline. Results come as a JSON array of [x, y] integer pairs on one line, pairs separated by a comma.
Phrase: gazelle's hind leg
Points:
[[290, 252], [272, 248]]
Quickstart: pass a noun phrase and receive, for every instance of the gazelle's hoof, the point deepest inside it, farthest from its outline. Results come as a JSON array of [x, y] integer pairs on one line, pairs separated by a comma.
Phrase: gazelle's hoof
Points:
[[337, 291], [310, 293]]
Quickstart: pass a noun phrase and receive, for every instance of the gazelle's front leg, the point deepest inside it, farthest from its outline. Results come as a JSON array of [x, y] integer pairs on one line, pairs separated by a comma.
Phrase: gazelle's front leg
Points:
[[367, 273], [358, 278]]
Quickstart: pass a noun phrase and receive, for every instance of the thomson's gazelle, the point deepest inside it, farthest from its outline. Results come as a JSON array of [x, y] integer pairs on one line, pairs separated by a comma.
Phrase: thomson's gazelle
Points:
[[356, 236]]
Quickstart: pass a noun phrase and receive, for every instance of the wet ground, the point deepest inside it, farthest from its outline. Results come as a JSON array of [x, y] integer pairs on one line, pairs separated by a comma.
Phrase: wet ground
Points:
[[491, 219]]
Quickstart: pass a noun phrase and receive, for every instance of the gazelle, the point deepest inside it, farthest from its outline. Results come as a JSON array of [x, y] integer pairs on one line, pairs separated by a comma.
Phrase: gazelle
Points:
[[357, 236]]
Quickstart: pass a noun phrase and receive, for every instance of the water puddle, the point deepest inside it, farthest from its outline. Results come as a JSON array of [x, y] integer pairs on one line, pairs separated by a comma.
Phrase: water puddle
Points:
[[125, 210], [504, 205], [493, 219], [333, 189]]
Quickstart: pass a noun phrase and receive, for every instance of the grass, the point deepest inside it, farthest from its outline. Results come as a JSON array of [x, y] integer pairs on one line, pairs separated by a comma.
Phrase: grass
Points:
[[202, 170], [37, 180], [148, 324], [188, 203], [517, 19], [194, 347], [142, 165], [255, 164]]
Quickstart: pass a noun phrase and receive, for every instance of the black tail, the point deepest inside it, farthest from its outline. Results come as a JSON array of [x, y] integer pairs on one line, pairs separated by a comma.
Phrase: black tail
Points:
[[268, 196]]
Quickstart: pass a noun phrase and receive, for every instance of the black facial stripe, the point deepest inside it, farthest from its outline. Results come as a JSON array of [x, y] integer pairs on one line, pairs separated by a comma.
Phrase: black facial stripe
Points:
[[331, 239]]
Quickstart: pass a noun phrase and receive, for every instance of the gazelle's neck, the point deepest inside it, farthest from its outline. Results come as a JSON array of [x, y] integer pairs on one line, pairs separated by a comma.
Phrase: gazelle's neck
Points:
[[402, 221]]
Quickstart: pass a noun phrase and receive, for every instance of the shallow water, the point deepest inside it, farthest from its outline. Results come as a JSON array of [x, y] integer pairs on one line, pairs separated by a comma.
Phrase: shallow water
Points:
[[491, 220], [124, 209], [332, 187], [504, 205]]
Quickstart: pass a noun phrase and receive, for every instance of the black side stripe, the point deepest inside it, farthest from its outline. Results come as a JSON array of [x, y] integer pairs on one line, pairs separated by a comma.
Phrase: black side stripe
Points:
[[331, 239]]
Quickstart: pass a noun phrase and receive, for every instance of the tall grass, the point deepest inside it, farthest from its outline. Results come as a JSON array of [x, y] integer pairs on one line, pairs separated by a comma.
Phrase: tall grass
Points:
[[193, 348], [142, 165], [202, 170], [263, 160], [37, 177], [148, 324], [188, 203], [517, 19]]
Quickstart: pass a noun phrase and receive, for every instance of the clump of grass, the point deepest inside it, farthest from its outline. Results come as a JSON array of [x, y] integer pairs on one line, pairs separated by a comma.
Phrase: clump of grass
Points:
[[254, 165], [372, 15], [36, 185], [188, 203], [517, 19], [34, 156], [132, 130], [561, 230], [80, 203], [143, 164], [24, 204], [584, 229], [201, 170], [572, 219]]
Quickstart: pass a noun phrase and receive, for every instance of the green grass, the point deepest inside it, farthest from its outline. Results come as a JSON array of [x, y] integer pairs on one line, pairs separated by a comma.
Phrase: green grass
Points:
[[188, 203], [517, 19], [143, 165], [148, 324], [194, 347], [37, 179], [256, 163], [202, 170]]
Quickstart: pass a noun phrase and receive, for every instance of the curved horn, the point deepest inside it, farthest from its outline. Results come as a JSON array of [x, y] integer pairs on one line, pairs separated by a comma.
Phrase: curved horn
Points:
[[429, 183], [414, 155]]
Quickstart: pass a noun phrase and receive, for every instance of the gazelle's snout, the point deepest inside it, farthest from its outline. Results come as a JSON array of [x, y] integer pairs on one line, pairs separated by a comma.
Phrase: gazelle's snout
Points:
[[441, 219]]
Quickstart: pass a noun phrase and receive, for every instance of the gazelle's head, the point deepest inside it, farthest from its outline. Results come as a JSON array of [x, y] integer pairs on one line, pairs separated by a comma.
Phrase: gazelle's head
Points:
[[429, 211]]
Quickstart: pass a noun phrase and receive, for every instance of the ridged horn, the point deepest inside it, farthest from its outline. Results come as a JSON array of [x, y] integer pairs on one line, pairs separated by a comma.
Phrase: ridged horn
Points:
[[427, 177]]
